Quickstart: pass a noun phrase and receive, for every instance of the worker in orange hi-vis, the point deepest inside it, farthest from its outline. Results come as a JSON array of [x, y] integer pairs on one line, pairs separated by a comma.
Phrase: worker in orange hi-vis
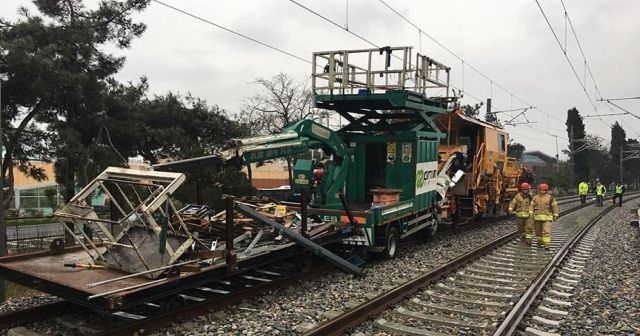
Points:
[[544, 210], [520, 205]]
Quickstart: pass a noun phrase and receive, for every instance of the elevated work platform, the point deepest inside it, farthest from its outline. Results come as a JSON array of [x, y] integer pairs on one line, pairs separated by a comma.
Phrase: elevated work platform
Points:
[[374, 88]]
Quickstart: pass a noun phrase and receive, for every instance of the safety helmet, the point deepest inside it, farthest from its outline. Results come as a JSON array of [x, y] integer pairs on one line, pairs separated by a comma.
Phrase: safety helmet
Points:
[[524, 186], [543, 186]]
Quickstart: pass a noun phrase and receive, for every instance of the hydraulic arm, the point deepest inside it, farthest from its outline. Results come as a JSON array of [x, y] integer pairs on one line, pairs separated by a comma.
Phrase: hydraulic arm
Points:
[[326, 181]]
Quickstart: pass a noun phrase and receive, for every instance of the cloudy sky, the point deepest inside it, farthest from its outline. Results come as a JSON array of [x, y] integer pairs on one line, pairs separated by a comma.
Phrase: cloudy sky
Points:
[[507, 41]]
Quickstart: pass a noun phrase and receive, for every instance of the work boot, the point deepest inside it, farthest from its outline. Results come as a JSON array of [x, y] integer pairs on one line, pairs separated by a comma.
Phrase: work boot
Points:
[[547, 247]]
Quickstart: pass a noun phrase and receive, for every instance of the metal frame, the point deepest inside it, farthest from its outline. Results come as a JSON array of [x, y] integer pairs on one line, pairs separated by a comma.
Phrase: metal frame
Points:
[[150, 292], [159, 186], [387, 68]]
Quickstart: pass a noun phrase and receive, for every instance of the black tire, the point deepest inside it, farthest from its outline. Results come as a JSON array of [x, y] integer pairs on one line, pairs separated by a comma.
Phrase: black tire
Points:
[[455, 219], [303, 263], [392, 240], [430, 231]]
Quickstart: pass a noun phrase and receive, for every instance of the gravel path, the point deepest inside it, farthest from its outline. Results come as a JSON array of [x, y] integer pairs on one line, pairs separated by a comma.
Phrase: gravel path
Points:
[[607, 299]]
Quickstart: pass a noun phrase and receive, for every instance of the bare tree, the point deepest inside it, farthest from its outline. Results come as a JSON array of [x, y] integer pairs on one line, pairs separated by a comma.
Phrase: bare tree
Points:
[[283, 101]]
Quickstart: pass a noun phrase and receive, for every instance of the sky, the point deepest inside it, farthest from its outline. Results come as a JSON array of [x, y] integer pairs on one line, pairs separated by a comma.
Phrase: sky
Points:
[[519, 62]]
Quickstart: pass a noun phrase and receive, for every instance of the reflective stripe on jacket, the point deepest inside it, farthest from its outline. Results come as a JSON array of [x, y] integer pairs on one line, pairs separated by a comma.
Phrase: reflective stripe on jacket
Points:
[[583, 188], [600, 190], [619, 189], [544, 208], [521, 205]]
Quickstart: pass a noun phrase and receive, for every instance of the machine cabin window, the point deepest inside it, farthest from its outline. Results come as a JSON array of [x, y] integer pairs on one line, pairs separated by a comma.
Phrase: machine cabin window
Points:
[[502, 142]]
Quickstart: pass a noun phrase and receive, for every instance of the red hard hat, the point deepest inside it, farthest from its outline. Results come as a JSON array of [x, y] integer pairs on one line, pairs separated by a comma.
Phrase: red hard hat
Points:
[[524, 186], [543, 186]]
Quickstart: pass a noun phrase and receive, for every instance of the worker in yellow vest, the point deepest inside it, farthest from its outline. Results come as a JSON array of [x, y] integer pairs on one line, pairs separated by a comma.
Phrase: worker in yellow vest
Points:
[[619, 190], [521, 204], [600, 192], [583, 189], [544, 210]]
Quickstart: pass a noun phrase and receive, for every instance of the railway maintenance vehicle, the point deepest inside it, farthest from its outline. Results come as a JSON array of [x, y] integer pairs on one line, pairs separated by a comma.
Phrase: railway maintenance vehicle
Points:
[[405, 161]]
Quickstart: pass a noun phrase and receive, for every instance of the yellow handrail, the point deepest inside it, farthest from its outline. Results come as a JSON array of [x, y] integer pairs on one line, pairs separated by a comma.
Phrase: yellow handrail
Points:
[[476, 165]]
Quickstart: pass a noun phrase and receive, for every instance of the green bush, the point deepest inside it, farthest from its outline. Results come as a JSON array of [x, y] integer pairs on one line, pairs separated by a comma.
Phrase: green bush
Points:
[[30, 221]]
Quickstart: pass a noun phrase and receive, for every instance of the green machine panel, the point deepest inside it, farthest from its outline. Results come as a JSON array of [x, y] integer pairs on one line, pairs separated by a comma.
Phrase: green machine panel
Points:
[[302, 171], [400, 167], [356, 192], [425, 173]]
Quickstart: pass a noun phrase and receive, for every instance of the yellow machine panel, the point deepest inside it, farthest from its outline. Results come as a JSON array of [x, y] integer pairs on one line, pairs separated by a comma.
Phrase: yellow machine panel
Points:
[[490, 177]]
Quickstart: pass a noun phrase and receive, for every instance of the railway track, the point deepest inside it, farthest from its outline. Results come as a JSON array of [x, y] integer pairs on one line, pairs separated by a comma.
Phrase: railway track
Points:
[[155, 315], [489, 290]]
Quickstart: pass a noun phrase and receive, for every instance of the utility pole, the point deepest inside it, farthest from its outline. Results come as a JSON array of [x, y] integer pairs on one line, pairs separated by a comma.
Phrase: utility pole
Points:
[[634, 153], [557, 157], [3, 228], [571, 156], [621, 159], [488, 116]]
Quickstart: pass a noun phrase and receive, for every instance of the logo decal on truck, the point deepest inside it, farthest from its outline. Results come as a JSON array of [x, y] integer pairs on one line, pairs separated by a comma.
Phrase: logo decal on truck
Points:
[[426, 177]]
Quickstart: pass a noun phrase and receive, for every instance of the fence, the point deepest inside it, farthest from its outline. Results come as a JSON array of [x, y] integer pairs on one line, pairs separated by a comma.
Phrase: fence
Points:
[[33, 238]]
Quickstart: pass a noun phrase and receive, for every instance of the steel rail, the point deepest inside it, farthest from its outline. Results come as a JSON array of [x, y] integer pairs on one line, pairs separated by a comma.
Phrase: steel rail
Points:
[[37, 313], [517, 314], [46, 311], [161, 320], [339, 324]]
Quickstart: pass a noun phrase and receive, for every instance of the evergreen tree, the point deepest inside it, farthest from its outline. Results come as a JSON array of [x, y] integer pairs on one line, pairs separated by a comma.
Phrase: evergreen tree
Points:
[[576, 131], [56, 75], [618, 140], [515, 150]]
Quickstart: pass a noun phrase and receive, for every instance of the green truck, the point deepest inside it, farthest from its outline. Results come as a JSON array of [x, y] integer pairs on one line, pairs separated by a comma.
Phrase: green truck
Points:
[[384, 161]]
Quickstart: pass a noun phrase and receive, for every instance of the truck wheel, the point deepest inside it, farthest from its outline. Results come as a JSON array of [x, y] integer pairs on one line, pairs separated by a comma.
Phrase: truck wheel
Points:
[[391, 243], [303, 263], [455, 219], [430, 231]]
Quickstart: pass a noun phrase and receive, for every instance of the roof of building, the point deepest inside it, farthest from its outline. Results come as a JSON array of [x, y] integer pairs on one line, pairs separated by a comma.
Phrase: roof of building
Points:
[[529, 156]]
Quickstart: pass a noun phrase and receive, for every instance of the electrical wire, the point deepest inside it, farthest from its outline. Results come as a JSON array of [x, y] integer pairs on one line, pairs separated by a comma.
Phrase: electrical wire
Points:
[[333, 23], [564, 52], [232, 31], [491, 80], [467, 93]]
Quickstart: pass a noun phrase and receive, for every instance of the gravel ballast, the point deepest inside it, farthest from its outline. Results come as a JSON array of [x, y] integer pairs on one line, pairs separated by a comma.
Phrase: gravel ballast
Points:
[[607, 299], [293, 310]]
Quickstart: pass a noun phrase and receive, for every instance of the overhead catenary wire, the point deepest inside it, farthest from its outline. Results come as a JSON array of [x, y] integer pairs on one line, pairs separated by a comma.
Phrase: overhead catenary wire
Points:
[[622, 98], [290, 54], [575, 35], [463, 62], [336, 24], [232, 31], [564, 52], [623, 109]]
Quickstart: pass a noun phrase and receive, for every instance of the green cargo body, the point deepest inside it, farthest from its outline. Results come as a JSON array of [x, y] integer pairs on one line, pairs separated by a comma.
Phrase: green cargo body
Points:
[[410, 164], [394, 145]]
